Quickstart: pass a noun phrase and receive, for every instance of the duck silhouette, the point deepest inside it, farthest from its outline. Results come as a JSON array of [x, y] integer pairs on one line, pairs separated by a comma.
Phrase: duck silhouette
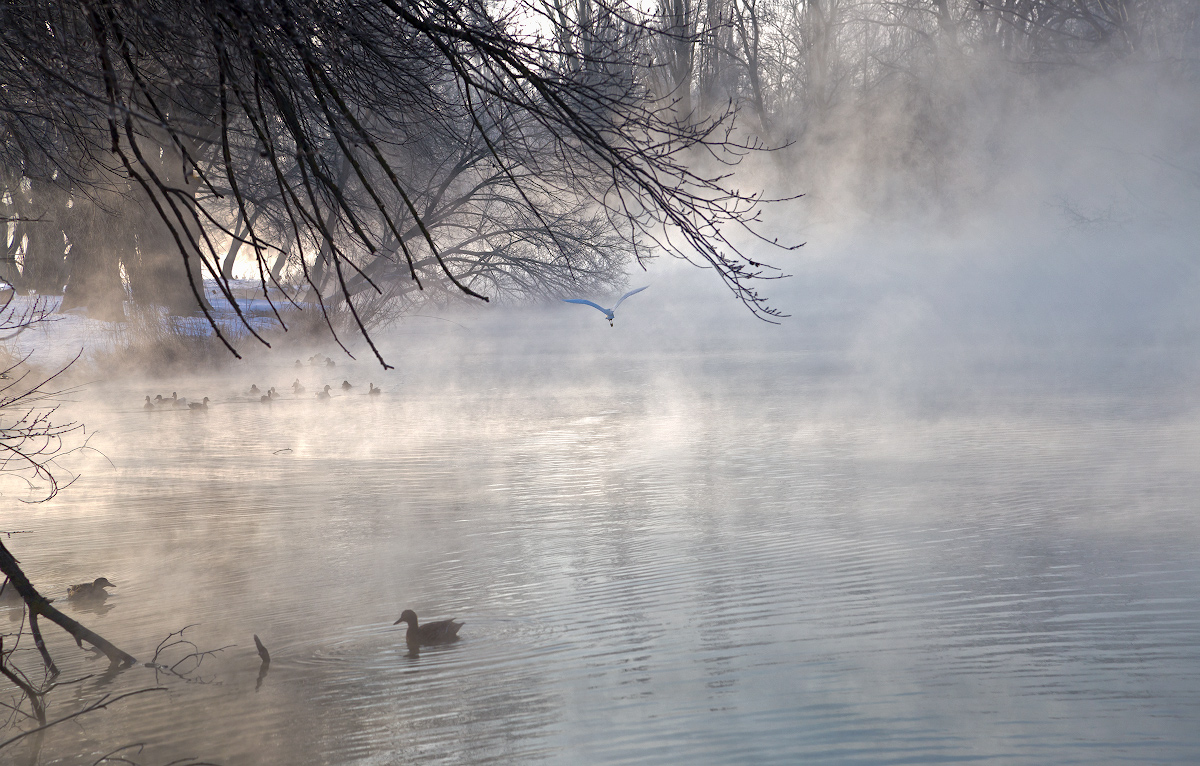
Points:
[[297, 389], [347, 385], [429, 634], [375, 391], [323, 395], [199, 405], [149, 405], [90, 590], [254, 389]]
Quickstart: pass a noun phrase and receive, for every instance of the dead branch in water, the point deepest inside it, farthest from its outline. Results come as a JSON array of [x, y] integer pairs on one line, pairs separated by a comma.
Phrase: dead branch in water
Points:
[[99, 704], [39, 605], [175, 640]]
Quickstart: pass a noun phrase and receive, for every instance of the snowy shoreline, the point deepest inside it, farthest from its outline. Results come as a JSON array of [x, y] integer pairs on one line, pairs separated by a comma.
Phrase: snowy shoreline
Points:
[[51, 343]]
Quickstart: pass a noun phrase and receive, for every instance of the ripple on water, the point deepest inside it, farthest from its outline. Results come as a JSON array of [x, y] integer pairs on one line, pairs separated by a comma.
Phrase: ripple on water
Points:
[[644, 577]]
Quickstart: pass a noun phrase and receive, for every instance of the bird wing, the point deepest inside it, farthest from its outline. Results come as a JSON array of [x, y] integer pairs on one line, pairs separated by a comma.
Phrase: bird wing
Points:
[[626, 295], [586, 303]]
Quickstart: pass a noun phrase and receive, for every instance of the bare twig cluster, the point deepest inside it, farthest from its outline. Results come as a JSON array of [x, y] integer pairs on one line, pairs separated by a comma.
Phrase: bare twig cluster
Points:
[[365, 148]]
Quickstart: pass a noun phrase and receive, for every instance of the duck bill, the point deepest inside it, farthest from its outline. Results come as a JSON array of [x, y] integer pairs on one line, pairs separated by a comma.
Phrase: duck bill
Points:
[[397, 622]]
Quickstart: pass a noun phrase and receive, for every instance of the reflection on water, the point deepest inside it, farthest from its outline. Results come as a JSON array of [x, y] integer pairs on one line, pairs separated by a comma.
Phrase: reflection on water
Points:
[[689, 561]]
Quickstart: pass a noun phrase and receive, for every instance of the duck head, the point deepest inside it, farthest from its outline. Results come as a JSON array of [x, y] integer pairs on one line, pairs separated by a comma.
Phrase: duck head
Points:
[[408, 616], [102, 582]]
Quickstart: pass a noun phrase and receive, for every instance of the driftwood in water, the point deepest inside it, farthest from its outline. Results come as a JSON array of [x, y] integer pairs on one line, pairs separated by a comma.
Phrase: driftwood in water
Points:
[[266, 662], [39, 605], [262, 651], [33, 695]]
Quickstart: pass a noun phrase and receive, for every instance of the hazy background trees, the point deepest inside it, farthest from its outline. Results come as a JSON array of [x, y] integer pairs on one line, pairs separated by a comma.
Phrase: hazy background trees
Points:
[[361, 156], [349, 148]]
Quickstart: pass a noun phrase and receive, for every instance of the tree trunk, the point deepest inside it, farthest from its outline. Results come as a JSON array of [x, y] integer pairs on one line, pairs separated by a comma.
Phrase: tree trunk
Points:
[[99, 239], [45, 266], [160, 268]]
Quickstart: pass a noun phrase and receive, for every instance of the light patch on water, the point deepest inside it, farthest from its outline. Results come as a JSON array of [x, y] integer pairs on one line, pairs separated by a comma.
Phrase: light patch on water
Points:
[[703, 559]]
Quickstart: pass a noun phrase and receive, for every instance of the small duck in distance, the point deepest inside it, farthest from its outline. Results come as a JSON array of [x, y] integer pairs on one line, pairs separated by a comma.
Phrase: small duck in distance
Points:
[[254, 389], [90, 590], [429, 634], [297, 389], [298, 363], [329, 362], [347, 385], [609, 314], [265, 399], [375, 391], [149, 405], [323, 395], [199, 405]]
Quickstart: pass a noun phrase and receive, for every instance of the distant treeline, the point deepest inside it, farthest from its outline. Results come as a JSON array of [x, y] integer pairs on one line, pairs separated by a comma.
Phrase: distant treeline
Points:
[[368, 150]]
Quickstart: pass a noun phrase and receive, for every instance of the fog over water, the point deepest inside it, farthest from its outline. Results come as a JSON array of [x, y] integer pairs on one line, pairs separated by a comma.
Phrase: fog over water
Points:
[[945, 512]]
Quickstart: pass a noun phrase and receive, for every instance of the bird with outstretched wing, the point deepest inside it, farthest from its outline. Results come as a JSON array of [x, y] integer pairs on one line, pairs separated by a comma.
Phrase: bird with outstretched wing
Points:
[[609, 314]]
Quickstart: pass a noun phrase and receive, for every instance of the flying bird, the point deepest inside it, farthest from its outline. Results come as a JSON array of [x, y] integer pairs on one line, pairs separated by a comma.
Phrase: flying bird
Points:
[[609, 314]]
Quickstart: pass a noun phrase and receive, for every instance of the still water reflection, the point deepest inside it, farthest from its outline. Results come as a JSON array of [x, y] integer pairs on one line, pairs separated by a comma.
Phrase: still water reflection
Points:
[[684, 561]]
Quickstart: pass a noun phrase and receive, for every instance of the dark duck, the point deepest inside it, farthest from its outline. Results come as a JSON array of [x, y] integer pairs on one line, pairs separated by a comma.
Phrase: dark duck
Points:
[[90, 591], [429, 634]]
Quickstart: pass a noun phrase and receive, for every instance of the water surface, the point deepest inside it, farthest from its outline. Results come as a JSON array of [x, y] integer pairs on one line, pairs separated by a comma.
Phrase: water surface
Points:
[[701, 557]]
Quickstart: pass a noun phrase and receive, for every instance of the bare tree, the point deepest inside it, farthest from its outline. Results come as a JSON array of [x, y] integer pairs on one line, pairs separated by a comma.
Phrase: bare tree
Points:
[[190, 102]]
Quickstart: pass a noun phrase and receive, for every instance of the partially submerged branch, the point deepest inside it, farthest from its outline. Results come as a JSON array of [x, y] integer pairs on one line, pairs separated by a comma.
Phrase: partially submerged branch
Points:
[[40, 605]]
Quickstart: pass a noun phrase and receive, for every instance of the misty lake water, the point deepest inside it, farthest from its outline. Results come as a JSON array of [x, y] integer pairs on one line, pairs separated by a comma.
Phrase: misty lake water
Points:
[[716, 557]]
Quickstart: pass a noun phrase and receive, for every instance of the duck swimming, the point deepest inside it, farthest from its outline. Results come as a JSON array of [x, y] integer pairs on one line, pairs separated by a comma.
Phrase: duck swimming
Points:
[[375, 391], [323, 394], [199, 405], [90, 590], [429, 634], [149, 405], [347, 385], [254, 389], [297, 388]]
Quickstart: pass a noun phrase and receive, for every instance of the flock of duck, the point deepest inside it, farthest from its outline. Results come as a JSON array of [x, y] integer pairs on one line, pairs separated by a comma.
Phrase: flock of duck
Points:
[[175, 402]]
